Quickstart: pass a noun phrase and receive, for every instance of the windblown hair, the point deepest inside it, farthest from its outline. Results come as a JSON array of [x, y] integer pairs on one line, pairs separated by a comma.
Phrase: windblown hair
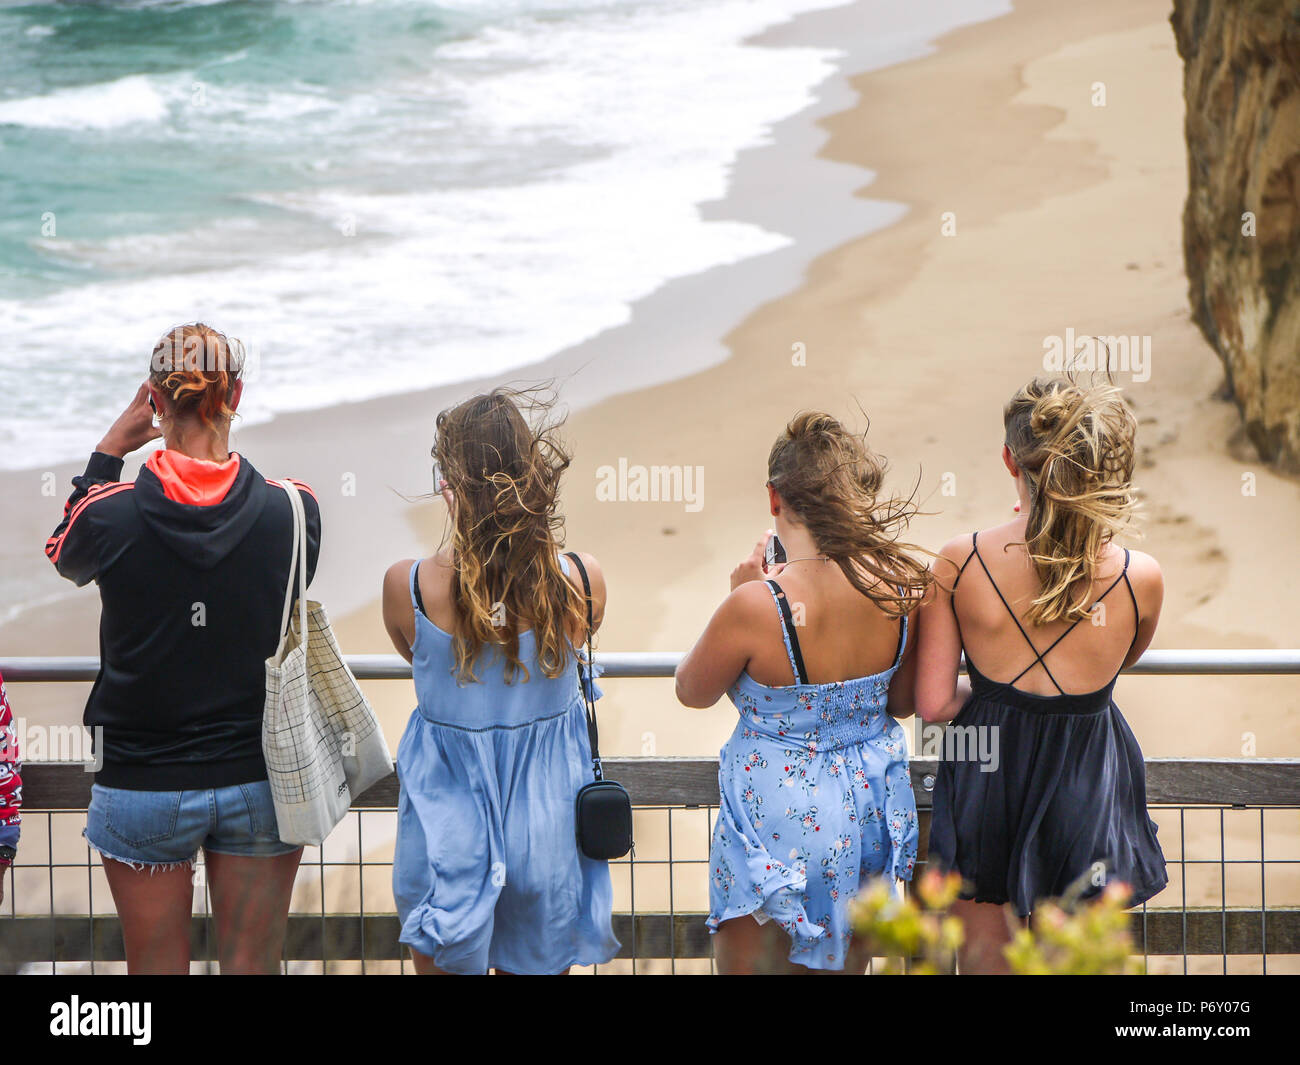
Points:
[[832, 480], [1075, 445], [507, 533], [198, 368]]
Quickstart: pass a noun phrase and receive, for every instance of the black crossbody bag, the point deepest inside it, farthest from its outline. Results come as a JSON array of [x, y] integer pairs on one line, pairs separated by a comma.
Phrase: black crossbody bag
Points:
[[603, 809]]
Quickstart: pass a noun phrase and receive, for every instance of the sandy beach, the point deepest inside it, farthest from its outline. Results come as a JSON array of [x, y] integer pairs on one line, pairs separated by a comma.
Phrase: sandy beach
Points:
[[1024, 210]]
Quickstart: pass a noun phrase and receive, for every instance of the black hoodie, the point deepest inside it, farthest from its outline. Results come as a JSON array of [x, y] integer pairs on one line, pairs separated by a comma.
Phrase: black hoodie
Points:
[[191, 596]]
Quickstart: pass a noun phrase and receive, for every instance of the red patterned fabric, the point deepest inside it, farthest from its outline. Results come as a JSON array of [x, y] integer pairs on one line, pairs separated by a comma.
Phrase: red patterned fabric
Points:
[[11, 782]]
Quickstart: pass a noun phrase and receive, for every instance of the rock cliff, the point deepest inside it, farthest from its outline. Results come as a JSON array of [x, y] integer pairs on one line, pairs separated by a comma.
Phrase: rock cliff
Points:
[[1241, 222]]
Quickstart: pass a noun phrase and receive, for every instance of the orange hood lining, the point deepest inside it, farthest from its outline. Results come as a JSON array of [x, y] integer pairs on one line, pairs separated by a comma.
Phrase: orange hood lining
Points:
[[196, 482]]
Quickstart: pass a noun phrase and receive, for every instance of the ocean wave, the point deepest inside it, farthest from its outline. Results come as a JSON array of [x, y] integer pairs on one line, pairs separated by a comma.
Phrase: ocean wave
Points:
[[433, 289], [471, 218], [126, 101], [513, 196]]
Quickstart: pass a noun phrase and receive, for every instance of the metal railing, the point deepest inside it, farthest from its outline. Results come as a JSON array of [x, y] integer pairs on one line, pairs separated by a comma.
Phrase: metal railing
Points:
[[1220, 819], [649, 664]]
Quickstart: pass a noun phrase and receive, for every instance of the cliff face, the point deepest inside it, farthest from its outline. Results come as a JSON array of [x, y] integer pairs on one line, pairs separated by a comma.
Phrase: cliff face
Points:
[[1241, 82]]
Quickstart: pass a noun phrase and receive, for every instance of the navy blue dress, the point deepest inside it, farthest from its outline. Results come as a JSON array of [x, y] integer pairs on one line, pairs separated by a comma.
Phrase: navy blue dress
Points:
[[1066, 803]]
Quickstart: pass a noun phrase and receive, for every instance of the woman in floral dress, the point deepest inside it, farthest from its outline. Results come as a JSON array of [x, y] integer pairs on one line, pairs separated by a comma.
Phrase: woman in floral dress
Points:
[[815, 793]]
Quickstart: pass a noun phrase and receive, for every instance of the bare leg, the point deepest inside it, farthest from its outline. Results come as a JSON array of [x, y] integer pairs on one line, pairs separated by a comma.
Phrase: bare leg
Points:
[[743, 947], [989, 928], [250, 908], [154, 907], [423, 964], [859, 957]]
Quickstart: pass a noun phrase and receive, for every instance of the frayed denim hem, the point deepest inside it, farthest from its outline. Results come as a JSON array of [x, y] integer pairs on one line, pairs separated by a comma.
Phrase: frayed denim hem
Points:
[[135, 863]]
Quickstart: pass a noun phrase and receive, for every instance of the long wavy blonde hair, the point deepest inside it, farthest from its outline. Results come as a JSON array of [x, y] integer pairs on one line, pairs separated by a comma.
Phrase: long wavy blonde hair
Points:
[[832, 480], [507, 532], [1075, 446]]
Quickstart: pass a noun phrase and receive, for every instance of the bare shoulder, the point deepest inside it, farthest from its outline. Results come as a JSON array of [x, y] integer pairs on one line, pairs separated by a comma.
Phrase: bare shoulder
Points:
[[596, 575], [1145, 575], [434, 577], [958, 549], [590, 562], [397, 577], [751, 601], [952, 556], [1142, 565], [594, 571]]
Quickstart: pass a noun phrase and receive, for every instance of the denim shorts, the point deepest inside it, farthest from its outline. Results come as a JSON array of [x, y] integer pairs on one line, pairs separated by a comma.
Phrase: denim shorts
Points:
[[164, 828]]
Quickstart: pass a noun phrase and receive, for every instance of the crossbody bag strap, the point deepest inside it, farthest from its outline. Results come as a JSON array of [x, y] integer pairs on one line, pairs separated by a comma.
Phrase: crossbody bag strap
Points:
[[592, 730]]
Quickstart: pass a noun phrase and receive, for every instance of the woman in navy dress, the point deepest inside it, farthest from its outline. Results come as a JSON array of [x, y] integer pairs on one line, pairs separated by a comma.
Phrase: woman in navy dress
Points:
[[1047, 609]]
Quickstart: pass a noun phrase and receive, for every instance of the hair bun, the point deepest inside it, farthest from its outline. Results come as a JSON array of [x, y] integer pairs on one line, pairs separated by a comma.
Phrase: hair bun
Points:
[[1075, 446], [198, 368], [1049, 412]]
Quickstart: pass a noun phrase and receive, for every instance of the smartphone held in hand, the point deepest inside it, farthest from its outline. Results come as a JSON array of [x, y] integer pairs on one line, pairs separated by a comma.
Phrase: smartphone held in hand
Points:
[[774, 553]]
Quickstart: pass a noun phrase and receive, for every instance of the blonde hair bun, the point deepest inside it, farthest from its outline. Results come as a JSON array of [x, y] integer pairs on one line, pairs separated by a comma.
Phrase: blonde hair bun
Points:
[[1075, 444]]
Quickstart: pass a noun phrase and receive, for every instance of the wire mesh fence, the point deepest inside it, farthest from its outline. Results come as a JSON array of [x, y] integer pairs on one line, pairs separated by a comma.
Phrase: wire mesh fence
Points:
[[1230, 830], [1231, 905]]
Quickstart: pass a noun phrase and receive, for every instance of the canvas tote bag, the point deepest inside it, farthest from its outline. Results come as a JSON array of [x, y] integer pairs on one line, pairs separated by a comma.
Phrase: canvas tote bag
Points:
[[320, 738]]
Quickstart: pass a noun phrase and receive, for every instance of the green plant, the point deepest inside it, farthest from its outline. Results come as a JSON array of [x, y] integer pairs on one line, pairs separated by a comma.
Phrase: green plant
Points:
[[1064, 937], [915, 927]]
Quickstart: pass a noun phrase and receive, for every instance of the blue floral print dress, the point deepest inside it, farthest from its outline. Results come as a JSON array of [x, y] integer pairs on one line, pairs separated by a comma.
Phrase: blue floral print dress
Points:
[[816, 799]]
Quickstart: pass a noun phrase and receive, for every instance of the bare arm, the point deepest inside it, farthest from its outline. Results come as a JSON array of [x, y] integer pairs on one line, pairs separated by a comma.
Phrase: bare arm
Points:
[[723, 651], [1149, 590], [721, 654], [902, 688], [399, 613], [599, 591], [940, 691]]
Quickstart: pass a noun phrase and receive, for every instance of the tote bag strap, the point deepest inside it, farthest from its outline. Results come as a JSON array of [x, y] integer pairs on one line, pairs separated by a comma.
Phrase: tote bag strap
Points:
[[297, 562]]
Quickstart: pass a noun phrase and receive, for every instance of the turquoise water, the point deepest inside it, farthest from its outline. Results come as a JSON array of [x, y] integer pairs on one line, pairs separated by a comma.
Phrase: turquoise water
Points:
[[374, 196], [126, 120]]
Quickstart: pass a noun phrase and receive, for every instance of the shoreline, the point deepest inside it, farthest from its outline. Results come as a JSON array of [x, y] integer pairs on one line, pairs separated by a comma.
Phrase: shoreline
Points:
[[690, 315]]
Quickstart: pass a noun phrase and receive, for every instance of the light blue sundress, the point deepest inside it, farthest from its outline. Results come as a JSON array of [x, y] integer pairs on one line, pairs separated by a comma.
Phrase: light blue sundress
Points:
[[816, 799], [487, 871]]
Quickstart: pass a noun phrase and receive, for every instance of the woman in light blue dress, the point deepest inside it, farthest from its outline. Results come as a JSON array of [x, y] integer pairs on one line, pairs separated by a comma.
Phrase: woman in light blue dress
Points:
[[487, 874], [816, 799]]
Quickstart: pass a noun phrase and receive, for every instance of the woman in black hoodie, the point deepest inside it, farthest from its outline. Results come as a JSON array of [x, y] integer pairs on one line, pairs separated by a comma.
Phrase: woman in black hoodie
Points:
[[191, 559]]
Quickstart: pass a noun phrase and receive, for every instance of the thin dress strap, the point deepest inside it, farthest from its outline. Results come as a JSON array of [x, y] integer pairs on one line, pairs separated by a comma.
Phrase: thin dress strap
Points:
[[1123, 576], [1041, 655], [902, 633], [974, 549], [952, 595], [1038, 660], [787, 630], [417, 600], [1129, 585]]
